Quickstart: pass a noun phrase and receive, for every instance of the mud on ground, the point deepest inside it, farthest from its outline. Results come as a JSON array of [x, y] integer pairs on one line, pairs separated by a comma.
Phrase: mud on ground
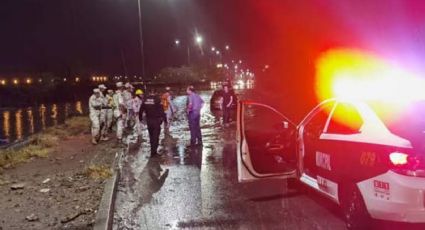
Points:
[[60, 191]]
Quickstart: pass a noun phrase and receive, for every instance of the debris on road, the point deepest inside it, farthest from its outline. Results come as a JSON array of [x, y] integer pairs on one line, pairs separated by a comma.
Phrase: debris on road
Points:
[[32, 218], [3, 182], [82, 189], [52, 192], [17, 186], [75, 215], [45, 190]]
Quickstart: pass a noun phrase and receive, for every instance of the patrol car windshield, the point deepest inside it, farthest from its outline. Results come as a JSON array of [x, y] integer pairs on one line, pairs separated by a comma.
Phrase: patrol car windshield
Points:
[[404, 120]]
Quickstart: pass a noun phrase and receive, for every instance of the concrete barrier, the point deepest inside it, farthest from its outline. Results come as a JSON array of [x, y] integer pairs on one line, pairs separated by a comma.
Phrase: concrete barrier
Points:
[[105, 212]]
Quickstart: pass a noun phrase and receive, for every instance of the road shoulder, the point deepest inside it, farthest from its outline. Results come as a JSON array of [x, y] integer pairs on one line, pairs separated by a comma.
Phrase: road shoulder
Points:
[[60, 190]]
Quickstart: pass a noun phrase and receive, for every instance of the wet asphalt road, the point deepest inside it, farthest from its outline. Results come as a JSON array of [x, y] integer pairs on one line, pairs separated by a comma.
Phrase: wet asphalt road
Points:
[[198, 188]]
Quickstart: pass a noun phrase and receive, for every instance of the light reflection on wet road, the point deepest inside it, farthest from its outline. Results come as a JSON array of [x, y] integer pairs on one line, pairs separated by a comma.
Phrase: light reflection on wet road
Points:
[[198, 189]]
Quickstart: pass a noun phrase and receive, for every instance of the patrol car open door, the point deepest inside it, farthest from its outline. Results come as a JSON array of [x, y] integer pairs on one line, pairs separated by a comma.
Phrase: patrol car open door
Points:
[[266, 143]]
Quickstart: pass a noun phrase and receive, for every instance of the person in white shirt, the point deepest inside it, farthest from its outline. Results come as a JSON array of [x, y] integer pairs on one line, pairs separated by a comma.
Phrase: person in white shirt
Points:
[[95, 106]]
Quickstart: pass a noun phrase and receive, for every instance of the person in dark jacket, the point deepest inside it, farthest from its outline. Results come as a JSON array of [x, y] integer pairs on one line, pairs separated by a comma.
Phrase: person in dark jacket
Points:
[[227, 102], [151, 106]]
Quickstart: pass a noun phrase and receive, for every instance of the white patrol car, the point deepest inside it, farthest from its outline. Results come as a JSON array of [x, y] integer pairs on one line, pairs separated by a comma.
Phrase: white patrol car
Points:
[[361, 156]]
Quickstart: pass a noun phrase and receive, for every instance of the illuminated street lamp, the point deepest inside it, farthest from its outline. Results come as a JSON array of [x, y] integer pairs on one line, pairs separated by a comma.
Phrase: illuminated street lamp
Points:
[[217, 52], [227, 47], [15, 81], [77, 79], [3, 82], [213, 49], [28, 81], [199, 39]]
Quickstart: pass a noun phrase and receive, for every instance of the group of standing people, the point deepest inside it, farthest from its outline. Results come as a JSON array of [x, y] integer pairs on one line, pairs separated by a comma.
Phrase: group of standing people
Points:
[[101, 113], [108, 107], [127, 108]]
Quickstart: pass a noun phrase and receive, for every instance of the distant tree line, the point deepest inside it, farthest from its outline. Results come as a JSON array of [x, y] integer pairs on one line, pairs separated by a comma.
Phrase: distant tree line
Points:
[[188, 75], [48, 87]]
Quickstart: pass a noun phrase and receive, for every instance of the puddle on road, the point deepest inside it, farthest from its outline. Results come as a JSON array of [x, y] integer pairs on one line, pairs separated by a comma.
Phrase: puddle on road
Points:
[[200, 190], [172, 182]]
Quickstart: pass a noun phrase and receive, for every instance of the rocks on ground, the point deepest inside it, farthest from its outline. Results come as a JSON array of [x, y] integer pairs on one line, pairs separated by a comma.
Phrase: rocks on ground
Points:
[[55, 192]]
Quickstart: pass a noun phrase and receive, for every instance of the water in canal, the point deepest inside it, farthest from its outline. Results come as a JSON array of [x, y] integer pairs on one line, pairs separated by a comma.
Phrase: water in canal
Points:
[[18, 123]]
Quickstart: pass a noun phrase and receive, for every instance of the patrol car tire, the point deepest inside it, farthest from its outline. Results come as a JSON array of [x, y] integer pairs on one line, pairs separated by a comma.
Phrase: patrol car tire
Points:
[[354, 209]]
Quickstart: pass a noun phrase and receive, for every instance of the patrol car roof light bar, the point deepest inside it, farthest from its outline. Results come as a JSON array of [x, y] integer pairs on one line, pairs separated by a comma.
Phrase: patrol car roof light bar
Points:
[[407, 165]]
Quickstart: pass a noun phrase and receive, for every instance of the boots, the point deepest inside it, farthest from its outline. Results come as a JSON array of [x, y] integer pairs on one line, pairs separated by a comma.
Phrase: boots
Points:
[[94, 141]]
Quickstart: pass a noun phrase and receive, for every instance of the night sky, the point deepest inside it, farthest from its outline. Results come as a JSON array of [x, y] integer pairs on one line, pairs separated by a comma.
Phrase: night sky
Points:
[[95, 34], [52, 35]]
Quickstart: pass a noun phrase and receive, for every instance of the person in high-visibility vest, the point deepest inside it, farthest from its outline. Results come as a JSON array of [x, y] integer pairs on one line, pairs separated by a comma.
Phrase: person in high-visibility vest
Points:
[[167, 104]]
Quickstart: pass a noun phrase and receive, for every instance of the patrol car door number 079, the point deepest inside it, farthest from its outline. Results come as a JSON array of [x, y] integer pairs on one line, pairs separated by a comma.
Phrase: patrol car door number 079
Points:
[[323, 160]]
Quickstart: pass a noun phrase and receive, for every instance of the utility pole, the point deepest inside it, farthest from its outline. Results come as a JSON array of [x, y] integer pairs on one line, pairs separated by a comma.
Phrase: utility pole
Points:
[[141, 39], [124, 65]]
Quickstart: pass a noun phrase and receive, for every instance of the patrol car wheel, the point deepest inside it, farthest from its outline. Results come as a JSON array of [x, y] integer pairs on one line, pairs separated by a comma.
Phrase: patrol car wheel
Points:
[[354, 209]]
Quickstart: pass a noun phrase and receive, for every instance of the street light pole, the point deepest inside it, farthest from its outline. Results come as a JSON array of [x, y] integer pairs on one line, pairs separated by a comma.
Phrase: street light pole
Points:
[[188, 55], [141, 38], [198, 41], [177, 43]]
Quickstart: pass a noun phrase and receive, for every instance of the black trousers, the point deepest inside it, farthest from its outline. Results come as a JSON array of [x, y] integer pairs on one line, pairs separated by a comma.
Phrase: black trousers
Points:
[[226, 114], [154, 129], [195, 128]]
